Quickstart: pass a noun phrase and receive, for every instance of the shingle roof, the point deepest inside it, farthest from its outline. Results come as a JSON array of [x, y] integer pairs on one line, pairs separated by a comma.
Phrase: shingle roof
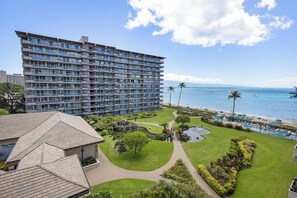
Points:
[[59, 130], [44, 153], [16, 125], [62, 178]]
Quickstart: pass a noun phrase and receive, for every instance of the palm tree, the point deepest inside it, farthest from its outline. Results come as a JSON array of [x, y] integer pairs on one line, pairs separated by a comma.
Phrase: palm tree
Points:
[[170, 90], [294, 93], [234, 95], [181, 85]]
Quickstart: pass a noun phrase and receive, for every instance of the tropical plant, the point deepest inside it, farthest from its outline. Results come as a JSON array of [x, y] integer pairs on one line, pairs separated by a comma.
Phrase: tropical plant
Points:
[[99, 195], [136, 140], [181, 85], [3, 112], [165, 125], [234, 95], [170, 90], [294, 93], [12, 97]]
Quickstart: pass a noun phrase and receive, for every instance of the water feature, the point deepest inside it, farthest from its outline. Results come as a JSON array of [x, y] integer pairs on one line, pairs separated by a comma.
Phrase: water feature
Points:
[[196, 133]]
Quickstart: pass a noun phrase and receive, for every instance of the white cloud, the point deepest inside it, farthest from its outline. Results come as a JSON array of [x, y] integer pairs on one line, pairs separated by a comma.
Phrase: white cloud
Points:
[[282, 82], [281, 22], [191, 79], [270, 4], [201, 22]]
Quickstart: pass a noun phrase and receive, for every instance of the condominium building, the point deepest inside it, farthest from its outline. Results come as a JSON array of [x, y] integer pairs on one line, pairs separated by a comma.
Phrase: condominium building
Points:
[[83, 78], [11, 78]]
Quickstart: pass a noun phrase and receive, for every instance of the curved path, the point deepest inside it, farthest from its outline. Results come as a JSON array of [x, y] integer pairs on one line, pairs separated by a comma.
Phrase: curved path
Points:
[[107, 171]]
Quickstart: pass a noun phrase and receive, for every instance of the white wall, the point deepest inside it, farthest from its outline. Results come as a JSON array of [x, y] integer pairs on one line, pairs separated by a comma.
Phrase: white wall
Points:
[[89, 150]]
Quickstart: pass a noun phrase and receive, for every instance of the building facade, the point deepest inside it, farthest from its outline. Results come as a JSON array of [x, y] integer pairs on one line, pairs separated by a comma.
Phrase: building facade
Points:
[[84, 78], [11, 78]]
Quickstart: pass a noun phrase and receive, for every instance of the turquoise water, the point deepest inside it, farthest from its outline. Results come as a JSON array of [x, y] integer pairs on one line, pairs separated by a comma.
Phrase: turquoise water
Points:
[[274, 103], [196, 133]]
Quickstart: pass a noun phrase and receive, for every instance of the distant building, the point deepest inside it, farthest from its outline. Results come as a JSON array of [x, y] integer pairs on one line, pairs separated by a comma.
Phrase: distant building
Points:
[[11, 78], [84, 78]]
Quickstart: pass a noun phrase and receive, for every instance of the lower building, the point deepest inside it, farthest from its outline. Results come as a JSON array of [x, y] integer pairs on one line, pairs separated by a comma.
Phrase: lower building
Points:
[[46, 149], [11, 78]]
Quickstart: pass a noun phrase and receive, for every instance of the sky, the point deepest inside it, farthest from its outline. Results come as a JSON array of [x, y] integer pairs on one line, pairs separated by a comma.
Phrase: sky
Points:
[[234, 42]]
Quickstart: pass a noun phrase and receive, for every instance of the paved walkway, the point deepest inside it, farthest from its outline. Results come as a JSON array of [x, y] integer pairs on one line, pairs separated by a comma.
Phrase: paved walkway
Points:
[[147, 123], [108, 171]]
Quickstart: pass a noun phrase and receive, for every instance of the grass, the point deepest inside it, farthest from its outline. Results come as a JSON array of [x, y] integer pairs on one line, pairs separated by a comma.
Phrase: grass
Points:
[[193, 122], [152, 128], [272, 170], [163, 115], [153, 156], [123, 187]]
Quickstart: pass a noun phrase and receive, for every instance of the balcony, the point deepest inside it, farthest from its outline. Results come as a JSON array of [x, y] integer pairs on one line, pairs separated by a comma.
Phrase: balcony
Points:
[[24, 49], [293, 189]]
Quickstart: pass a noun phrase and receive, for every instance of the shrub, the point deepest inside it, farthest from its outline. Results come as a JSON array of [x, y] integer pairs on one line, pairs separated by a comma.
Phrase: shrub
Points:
[[99, 195], [214, 184], [88, 161], [222, 174], [183, 127], [4, 112], [161, 137], [229, 125], [184, 137], [103, 133], [238, 127], [220, 124], [248, 130]]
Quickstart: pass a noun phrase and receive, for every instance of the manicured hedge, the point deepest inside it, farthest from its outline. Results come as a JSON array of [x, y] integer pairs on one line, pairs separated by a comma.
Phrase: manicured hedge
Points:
[[222, 174], [214, 184]]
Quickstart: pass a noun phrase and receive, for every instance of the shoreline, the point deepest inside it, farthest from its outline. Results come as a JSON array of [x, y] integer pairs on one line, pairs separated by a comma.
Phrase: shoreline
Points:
[[255, 117]]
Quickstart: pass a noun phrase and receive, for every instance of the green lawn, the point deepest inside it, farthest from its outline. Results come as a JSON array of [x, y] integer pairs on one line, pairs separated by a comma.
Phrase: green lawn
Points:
[[193, 122], [123, 188], [152, 128], [272, 170], [153, 156], [163, 115]]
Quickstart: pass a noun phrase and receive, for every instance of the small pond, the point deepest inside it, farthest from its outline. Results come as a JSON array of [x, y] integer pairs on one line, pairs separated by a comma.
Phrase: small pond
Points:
[[196, 133]]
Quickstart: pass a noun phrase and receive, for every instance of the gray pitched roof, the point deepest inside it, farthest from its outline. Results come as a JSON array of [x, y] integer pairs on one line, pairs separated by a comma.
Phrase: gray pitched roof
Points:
[[59, 130], [16, 125], [62, 178], [44, 153]]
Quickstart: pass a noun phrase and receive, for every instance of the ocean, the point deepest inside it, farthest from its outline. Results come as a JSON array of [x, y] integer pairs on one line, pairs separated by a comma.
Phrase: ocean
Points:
[[267, 102]]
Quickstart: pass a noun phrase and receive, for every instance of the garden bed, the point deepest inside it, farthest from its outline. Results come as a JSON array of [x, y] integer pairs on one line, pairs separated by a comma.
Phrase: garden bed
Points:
[[221, 175]]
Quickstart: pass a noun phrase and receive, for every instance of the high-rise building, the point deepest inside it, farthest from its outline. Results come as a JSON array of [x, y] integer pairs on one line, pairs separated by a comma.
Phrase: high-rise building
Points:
[[83, 78], [11, 78]]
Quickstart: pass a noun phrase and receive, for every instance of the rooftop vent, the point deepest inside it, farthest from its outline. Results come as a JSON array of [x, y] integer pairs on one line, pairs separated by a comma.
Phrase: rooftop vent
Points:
[[84, 39]]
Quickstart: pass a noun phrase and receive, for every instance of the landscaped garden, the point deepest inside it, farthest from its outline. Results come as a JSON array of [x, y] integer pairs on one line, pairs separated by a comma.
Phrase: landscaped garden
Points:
[[153, 156], [152, 128], [123, 188], [162, 116], [272, 167]]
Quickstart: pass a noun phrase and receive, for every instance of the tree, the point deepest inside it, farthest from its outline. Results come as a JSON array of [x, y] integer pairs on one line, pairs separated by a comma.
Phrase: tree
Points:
[[234, 95], [165, 125], [170, 90], [136, 140], [182, 119], [294, 93], [181, 85], [12, 97], [3, 112]]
